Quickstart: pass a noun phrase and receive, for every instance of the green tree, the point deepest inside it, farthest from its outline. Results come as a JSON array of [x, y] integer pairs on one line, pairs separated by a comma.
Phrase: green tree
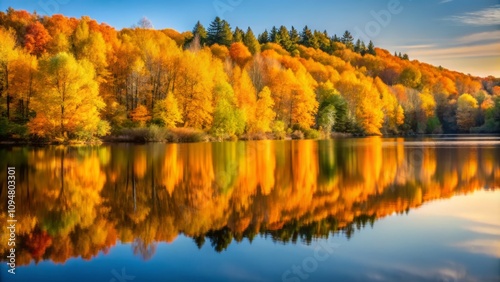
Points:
[[264, 37], [410, 77], [308, 39], [284, 38], [200, 33], [238, 35], [371, 49], [348, 40], [219, 32], [228, 119], [294, 36], [324, 41], [274, 35], [332, 112], [251, 42], [357, 46]]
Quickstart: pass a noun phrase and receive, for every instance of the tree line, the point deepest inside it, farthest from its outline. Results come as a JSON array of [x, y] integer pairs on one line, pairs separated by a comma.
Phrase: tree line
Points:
[[64, 78]]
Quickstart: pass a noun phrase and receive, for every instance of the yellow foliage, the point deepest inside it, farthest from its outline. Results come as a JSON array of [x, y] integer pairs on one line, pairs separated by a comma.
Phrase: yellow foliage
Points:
[[69, 101]]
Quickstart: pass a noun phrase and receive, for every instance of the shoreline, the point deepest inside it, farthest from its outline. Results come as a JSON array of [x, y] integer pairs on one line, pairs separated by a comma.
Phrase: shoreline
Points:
[[210, 139]]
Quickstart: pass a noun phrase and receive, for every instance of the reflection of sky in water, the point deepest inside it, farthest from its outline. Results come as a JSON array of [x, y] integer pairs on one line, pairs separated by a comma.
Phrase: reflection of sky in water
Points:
[[446, 240], [454, 239]]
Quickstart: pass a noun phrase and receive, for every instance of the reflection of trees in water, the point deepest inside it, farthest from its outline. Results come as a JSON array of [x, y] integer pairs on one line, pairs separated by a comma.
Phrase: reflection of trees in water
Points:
[[76, 202], [146, 250]]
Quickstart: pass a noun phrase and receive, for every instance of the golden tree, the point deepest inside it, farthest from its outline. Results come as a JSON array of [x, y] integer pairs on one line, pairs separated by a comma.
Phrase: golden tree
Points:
[[264, 114], [466, 112], [167, 111], [68, 105]]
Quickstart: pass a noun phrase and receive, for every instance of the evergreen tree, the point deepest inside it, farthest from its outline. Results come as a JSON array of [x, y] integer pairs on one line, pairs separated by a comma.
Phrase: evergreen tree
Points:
[[294, 36], [238, 35], [323, 40], [284, 37], [264, 37], [371, 49], [274, 36], [251, 42], [348, 40], [227, 34], [200, 32], [308, 39], [362, 48], [357, 46], [219, 32]]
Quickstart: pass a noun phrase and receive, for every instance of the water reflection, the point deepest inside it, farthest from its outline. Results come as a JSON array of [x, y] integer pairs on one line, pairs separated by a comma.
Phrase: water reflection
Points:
[[77, 202]]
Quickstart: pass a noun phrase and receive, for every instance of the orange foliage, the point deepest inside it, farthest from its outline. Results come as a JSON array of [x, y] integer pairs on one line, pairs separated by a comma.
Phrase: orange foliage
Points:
[[36, 39], [240, 54]]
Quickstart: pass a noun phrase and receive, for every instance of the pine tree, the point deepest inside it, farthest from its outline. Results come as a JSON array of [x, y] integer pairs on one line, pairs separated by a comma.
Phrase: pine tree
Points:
[[264, 37], [274, 36], [294, 36], [308, 39], [238, 35], [227, 34], [251, 42], [357, 46], [348, 40], [220, 32], [362, 50], [371, 49], [285, 41], [200, 32]]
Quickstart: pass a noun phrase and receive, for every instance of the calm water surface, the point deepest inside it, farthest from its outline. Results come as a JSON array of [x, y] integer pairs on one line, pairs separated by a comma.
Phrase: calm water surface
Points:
[[372, 209]]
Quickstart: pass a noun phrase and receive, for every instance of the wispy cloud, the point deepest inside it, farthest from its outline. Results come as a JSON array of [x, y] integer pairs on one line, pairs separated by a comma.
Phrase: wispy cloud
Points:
[[445, 1], [480, 37], [489, 247], [413, 47], [485, 17], [483, 50]]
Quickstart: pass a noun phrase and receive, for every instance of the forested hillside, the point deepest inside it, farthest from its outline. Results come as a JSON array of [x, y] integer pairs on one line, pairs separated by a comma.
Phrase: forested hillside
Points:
[[75, 79]]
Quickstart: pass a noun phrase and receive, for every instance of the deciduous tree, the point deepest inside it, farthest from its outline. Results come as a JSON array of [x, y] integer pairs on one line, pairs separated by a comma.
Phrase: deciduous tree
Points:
[[167, 111], [466, 112], [68, 104]]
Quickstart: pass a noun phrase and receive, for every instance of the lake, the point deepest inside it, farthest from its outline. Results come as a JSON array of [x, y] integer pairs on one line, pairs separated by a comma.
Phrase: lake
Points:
[[367, 209]]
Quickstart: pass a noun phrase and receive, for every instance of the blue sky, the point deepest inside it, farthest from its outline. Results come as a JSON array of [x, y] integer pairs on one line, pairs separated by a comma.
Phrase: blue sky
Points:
[[458, 34]]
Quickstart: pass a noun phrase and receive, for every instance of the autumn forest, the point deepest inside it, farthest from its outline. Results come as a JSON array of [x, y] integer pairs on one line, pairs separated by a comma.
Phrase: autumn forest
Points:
[[64, 79]]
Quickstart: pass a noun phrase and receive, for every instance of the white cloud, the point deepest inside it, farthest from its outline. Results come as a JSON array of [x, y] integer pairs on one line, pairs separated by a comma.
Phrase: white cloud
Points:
[[445, 1], [485, 17]]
